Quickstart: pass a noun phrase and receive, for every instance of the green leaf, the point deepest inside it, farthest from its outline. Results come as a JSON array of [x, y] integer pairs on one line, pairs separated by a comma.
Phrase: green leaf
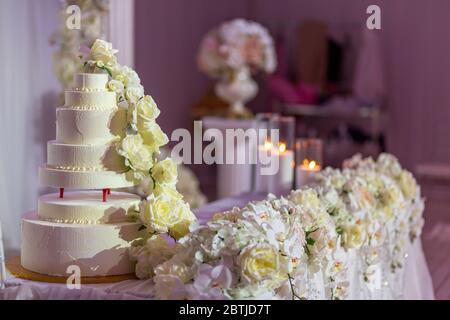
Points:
[[307, 233], [310, 241], [109, 71]]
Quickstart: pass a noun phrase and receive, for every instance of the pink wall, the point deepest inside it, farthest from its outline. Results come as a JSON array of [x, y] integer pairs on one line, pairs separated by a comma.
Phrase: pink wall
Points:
[[417, 56], [414, 36], [168, 33]]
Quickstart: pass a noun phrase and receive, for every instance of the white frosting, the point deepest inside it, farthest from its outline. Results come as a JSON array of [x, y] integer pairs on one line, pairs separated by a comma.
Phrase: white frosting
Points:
[[98, 249], [90, 100], [90, 81], [87, 207], [94, 235], [95, 157], [87, 179], [89, 126]]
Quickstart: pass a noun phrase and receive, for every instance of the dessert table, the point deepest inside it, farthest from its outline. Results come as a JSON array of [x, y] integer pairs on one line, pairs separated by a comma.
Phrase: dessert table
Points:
[[417, 282]]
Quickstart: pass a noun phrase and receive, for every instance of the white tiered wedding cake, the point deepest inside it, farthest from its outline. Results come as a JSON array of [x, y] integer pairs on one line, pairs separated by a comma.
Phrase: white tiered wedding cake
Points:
[[83, 228]]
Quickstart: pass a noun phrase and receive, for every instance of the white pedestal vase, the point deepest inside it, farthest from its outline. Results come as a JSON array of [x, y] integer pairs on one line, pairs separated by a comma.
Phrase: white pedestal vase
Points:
[[237, 89]]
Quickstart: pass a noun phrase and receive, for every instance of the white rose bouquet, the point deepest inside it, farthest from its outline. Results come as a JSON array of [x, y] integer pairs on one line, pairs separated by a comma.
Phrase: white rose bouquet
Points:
[[235, 45]]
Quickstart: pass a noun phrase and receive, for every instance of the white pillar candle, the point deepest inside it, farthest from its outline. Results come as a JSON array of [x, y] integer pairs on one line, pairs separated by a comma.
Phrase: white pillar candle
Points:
[[282, 180], [305, 173]]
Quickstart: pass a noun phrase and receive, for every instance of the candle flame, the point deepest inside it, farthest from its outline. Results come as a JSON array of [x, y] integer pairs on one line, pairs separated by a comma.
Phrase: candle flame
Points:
[[282, 147], [267, 145], [309, 164]]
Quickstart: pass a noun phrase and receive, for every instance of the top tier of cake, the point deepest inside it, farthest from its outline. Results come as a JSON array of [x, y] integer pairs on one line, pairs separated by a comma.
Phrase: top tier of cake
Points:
[[84, 156], [89, 93]]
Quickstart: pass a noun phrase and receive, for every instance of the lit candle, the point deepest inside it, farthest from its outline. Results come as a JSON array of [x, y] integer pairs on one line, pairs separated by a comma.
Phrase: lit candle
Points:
[[305, 173], [282, 180]]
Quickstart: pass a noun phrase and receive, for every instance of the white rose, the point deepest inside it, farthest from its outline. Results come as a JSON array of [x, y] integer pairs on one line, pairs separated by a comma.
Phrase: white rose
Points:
[[146, 109], [103, 52], [126, 75], [145, 187], [152, 134], [116, 86], [137, 155], [166, 189], [179, 266], [306, 197], [164, 213], [408, 185], [262, 262], [354, 236], [165, 171], [154, 252], [133, 94], [143, 110]]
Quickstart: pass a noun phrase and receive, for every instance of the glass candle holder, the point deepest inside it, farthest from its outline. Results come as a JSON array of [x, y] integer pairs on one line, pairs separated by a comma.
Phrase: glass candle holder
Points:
[[275, 154], [308, 160]]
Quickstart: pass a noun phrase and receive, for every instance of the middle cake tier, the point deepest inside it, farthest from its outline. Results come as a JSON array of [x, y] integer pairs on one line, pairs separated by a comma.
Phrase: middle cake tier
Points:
[[89, 126], [79, 157], [87, 207]]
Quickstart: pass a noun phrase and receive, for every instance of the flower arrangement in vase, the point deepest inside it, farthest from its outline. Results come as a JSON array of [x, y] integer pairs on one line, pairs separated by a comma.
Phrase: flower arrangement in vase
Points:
[[233, 52]]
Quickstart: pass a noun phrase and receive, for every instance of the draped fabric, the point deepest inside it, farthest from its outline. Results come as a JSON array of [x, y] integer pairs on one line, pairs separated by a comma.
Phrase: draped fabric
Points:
[[121, 30], [415, 281], [28, 95]]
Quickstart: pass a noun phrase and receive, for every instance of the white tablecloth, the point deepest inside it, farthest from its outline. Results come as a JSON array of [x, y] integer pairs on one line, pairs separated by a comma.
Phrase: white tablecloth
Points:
[[417, 279]]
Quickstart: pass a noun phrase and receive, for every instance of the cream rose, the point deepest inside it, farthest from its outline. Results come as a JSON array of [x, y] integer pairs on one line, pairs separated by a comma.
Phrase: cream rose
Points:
[[306, 197], [159, 213], [261, 262], [103, 52], [116, 86], [146, 187], [408, 185], [138, 156], [162, 213], [152, 134], [146, 109], [126, 75], [181, 228], [154, 252], [168, 190], [354, 236], [134, 93], [165, 171]]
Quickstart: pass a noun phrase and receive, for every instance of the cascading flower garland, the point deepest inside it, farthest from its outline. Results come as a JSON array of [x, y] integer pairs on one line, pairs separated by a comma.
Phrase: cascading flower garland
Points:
[[163, 210], [349, 230]]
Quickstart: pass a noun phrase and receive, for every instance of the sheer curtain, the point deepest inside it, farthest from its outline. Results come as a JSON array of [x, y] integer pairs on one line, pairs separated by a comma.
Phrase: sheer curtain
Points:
[[121, 29], [28, 93]]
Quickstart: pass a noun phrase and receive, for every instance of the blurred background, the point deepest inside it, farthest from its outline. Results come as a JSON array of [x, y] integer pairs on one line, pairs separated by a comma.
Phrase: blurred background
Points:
[[359, 90]]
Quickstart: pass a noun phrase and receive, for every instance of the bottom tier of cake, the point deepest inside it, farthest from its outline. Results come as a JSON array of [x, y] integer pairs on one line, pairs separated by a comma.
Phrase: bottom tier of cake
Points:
[[98, 250]]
